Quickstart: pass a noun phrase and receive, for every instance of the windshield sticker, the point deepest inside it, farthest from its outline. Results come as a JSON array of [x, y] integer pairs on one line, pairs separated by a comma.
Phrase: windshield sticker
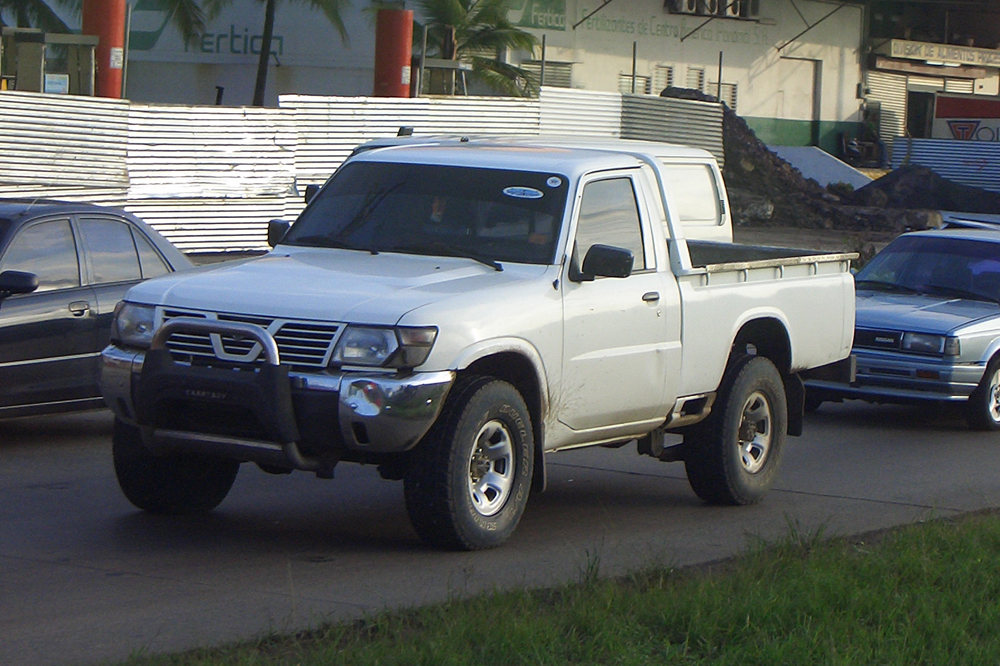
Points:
[[554, 181], [523, 192]]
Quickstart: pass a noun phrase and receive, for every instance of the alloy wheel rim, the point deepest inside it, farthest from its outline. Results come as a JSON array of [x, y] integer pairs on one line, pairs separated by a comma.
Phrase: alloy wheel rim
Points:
[[756, 432], [994, 397], [491, 468]]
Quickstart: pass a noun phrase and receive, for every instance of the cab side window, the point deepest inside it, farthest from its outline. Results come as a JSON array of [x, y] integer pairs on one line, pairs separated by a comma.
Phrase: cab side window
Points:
[[48, 250], [609, 215], [113, 257]]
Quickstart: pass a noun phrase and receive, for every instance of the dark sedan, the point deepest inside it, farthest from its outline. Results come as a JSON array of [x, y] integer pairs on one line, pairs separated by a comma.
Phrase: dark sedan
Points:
[[85, 257]]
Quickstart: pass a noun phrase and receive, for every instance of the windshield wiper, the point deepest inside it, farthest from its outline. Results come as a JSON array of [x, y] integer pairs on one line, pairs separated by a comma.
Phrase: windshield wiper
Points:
[[320, 240], [887, 286], [444, 249], [960, 293]]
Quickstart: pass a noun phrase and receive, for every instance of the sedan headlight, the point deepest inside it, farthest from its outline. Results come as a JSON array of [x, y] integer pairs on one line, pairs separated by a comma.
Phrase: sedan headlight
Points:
[[923, 343], [402, 347], [133, 325]]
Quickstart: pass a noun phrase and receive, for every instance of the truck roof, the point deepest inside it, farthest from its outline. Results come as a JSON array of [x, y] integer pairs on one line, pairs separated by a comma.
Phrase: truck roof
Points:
[[567, 155]]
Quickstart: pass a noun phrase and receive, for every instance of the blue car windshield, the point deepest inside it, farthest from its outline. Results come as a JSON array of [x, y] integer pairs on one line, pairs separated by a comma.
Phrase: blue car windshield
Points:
[[490, 215], [934, 265]]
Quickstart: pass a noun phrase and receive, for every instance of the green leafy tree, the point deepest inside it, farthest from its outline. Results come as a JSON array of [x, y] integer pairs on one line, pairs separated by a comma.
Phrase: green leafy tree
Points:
[[32, 14], [186, 15], [478, 31], [329, 8]]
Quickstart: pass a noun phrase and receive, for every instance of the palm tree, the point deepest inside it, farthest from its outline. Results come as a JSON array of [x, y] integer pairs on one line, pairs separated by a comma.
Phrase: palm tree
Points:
[[477, 31], [32, 14], [186, 15], [330, 8]]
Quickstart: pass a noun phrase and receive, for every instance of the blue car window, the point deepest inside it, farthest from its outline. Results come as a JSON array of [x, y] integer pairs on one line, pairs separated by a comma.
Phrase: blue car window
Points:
[[48, 250]]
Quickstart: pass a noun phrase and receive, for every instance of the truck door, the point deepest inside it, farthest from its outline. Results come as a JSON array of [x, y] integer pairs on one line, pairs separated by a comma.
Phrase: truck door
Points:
[[614, 360]]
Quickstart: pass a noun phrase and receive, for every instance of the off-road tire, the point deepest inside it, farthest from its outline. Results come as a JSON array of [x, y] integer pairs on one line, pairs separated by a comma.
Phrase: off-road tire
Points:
[[729, 460], [983, 408], [484, 429], [169, 484]]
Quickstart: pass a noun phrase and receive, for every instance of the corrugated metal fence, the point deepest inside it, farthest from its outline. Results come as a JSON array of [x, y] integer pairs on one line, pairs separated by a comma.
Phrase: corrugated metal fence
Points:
[[209, 178], [973, 163]]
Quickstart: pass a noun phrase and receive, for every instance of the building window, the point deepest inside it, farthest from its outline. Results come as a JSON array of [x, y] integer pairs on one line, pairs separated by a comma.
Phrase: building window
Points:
[[557, 74], [728, 93], [642, 84], [696, 78], [663, 77]]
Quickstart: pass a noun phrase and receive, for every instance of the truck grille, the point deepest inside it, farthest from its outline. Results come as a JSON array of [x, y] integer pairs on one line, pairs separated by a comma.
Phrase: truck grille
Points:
[[300, 343], [875, 339]]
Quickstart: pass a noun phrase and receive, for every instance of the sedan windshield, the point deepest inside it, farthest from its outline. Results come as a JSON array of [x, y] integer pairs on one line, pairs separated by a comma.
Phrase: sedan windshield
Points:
[[953, 267], [488, 215]]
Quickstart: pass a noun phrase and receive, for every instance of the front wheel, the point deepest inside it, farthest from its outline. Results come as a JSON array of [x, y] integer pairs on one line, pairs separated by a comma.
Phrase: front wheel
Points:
[[983, 409], [169, 484], [735, 458], [467, 483]]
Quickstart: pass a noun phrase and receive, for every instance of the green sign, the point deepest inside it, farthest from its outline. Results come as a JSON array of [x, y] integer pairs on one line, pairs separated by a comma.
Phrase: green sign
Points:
[[538, 14]]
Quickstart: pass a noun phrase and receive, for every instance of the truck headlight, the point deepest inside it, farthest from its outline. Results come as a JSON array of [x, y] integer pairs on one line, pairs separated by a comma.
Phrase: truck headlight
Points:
[[133, 325], [402, 347], [923, 343]]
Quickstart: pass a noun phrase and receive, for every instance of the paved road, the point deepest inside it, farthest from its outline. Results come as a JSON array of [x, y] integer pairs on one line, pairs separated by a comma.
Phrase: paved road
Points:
[[84, 577]]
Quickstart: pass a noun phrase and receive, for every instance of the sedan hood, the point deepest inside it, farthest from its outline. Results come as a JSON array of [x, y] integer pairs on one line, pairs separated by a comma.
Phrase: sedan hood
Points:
[[327, 285], [921, 313]]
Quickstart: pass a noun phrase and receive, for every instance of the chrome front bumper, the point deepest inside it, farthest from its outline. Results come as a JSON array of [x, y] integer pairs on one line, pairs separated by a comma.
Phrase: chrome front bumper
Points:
[[891, 376], [376, 412]]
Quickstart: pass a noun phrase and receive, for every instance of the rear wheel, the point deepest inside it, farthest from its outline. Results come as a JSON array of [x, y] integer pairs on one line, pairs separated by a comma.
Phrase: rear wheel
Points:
[[169, 484], [734, 458], [983, 409], [467, 483]]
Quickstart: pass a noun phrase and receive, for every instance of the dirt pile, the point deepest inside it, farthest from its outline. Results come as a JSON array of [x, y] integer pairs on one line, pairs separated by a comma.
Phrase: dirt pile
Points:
[[919, 187], [765, 190]]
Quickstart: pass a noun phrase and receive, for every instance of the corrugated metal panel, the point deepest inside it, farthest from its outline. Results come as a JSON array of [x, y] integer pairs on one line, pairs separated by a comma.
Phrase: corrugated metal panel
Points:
[[211, 225], [890, 91], [670, 120], [329, 128], [924, 83], [209, 151], [963, 86], [580, 112], [105, 196], [62, 140], [973, 163]]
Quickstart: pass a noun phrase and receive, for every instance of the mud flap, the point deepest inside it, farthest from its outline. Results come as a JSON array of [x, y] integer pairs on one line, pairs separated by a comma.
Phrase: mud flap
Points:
[[795, 397]]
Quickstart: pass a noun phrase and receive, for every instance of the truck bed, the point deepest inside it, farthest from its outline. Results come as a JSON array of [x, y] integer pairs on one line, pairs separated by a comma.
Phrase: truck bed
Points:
[[714, 256]]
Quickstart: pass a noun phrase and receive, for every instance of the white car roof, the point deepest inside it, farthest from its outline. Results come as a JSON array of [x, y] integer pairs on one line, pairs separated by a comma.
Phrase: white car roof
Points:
[[560, 154]]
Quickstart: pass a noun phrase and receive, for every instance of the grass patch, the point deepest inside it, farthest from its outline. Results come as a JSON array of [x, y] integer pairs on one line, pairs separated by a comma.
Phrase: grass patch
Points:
[[924, 594]]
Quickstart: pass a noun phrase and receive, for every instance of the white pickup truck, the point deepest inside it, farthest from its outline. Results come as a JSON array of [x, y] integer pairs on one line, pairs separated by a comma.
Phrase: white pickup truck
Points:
[[453, 311]]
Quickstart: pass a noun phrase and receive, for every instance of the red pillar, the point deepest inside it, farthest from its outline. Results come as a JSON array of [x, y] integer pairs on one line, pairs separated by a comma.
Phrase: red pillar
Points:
[[106, 19], [393, 46]]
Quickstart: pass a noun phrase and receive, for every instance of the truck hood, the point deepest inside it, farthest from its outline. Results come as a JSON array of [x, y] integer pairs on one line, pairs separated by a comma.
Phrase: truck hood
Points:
[[921, 313], [327, 285]]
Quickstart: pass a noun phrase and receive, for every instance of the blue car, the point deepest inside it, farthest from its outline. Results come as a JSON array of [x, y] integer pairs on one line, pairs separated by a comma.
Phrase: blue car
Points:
[[927, 326]]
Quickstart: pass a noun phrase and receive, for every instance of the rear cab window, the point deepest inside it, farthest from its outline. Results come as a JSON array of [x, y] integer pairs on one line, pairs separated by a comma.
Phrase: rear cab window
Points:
[[694, 193]]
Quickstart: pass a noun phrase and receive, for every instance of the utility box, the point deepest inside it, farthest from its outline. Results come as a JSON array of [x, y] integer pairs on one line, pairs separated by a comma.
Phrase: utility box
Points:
[[29, 58]]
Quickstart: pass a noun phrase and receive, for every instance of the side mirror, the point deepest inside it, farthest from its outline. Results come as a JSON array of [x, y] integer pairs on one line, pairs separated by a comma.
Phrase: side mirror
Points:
[[608, 261], [311, 191], [276, 230], [17, 282]]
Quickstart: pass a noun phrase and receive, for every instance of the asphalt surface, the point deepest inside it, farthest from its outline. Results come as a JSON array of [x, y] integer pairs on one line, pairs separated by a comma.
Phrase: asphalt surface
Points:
[[85, 578]]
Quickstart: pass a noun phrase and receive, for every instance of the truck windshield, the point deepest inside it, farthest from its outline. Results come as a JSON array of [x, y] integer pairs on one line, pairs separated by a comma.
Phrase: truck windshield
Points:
[[944, 266], [489, 215]]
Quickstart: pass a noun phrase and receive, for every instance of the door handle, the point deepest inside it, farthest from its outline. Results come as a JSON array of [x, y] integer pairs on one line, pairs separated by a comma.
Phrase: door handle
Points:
[[651, 296], [79, 308]]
